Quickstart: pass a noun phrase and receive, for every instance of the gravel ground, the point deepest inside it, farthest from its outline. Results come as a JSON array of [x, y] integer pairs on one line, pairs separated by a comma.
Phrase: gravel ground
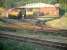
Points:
[[16, 45], [48, 37]]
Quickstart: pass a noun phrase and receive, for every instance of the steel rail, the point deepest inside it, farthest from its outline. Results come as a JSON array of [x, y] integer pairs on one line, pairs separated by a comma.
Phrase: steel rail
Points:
[[34, 40]]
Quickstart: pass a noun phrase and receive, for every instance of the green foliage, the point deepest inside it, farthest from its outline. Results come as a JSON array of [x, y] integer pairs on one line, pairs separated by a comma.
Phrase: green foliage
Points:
[[14, 3], [1, 3], [63, 4]]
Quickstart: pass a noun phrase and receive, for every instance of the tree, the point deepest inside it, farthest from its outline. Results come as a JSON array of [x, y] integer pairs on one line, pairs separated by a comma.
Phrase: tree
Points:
[[2, 3], [63, 4]]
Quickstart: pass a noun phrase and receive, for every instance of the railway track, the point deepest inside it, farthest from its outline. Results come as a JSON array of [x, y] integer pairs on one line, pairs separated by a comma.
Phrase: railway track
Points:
[[34, 40]]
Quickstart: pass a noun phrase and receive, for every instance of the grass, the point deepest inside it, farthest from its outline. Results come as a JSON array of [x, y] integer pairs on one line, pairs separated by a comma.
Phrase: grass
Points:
[[60, 23]]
